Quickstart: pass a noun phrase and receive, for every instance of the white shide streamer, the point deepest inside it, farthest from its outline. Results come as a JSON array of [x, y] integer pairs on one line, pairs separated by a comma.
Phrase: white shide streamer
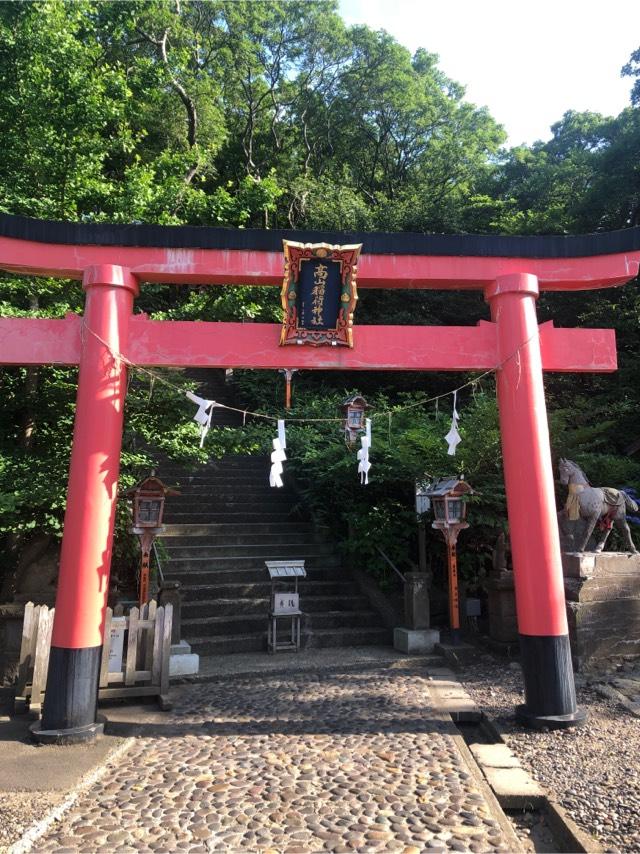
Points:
[[453, 438], [364, 466], [278, 456], [204, 413], [281, 433]]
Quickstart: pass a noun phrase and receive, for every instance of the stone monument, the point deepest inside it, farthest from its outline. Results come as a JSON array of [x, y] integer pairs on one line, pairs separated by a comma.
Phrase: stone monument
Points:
[[503, 620], [416, 636]]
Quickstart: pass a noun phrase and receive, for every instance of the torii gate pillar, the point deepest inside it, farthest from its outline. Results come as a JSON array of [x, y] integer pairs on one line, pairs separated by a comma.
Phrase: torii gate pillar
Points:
[[69, 712], [550, 699]]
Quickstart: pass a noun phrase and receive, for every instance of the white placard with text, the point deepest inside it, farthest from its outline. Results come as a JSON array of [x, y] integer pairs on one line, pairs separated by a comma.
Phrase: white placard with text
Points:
[[286, 603], [116, 647]]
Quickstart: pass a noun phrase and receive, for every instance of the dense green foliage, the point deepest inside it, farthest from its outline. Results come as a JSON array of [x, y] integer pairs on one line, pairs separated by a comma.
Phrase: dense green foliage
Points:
[[275, 114]]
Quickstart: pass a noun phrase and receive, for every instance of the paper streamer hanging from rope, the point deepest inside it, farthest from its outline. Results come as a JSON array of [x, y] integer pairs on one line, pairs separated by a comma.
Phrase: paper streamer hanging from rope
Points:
[[278, 456], [453, 438], [281, 433], [364, 466], [204, 413]]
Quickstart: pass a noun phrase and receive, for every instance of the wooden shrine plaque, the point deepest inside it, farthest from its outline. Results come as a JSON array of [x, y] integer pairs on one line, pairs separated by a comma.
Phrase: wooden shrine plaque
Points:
[[319, 293]]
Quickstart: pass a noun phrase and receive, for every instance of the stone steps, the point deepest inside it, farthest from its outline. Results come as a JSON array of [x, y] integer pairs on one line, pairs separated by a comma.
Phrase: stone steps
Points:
[[238, 590], [205, 627], [249, 529], [218, 533], [259, 540], [244, 467], [263, 551], [211, 517], [215, 576], [259, 605], [233, 493], [203, 482], [274, 505], [316, 639]]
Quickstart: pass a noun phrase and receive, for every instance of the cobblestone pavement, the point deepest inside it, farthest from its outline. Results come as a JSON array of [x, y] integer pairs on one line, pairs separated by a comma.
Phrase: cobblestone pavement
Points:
[[331, 761]]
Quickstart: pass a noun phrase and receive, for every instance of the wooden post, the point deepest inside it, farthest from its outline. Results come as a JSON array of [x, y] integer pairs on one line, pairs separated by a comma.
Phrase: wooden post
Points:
[[288, 376], [41, 660], [454, 598], [422, 546], [106, 648], [144, 577]]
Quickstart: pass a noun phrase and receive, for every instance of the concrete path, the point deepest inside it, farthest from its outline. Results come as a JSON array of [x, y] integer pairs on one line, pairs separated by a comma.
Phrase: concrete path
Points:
[[328, 758]]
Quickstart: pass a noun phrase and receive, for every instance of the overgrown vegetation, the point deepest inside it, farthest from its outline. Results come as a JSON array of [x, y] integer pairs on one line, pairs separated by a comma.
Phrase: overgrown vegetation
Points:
[[274, 114]]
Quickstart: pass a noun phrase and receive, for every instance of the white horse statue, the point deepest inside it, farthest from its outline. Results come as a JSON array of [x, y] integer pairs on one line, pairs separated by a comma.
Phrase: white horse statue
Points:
[[602, 506]]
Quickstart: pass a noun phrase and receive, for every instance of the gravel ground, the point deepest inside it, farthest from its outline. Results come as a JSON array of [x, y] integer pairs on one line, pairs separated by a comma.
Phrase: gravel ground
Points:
[[592, 769], [19, 810]]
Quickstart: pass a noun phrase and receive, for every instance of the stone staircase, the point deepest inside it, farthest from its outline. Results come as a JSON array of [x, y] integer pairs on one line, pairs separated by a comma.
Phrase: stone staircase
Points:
[[219, 532]]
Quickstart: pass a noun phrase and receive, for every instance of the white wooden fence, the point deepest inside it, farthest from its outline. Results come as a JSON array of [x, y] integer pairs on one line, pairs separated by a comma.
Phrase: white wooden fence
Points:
[[135, 654]]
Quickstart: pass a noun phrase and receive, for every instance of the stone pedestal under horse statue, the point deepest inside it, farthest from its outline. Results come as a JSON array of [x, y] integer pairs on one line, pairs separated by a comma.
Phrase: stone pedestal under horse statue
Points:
[[602, 506]]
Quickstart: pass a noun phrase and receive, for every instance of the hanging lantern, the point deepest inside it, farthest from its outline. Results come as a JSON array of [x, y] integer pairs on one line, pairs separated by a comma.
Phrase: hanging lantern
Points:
[[354, 408], [446, 495], [148, 503]]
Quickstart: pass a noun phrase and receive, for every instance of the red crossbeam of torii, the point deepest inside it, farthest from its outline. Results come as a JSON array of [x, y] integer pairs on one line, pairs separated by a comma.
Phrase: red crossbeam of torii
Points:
[[37, 341], [113, 261]]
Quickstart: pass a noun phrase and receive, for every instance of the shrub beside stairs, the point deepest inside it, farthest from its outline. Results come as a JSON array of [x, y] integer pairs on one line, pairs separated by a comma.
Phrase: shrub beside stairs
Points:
[[220, 530]]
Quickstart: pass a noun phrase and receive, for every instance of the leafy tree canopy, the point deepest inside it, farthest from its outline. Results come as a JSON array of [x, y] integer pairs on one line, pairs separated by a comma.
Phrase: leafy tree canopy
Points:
[[276, 114]]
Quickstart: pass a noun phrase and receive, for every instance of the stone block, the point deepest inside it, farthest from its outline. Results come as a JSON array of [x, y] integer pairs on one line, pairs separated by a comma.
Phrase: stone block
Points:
[[590, 564], [182, 648], [602, 588], [514, 788], [603, 631], [494, 756], [415, 641], [184, 664]]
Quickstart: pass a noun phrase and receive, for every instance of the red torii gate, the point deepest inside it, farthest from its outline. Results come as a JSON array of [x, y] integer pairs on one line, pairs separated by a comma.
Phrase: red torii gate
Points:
[[112, 261]]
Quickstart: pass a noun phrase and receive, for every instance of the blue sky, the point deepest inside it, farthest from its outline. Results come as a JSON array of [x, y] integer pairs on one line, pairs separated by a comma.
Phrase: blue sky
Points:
[[527, 62]]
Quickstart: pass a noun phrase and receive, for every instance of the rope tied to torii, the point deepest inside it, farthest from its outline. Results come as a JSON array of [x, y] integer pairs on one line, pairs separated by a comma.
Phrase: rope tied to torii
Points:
[[209, 405]]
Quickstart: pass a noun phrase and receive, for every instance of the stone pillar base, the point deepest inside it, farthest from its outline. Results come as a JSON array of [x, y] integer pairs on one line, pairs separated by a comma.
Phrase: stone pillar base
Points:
[[414, 641]]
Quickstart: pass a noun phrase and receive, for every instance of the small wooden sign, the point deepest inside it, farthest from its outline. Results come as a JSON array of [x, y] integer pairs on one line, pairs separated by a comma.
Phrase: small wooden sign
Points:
[[286, 603], [319, 293], [116, 649]]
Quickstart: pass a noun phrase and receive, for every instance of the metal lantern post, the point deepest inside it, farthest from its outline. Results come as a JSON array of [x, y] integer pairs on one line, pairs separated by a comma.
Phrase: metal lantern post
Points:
[[148, 499], [449, 510]]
